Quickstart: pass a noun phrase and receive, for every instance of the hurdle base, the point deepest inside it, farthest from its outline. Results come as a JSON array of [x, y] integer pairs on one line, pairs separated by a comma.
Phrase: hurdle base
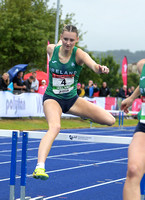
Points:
[[142, 197], [12, 192]]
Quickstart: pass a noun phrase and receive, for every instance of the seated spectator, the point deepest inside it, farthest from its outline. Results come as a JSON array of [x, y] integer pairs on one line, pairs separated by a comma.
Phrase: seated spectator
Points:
[[89, 90], [82, 94], [96, 90], [4, 82], [122, 91], [78, 89], [18, 83], [28, 83], [104, 90], [42, 87], [35, 82]]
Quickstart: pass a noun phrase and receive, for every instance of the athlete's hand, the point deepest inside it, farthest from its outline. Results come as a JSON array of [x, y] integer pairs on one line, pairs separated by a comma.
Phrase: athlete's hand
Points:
[[103, 69], [125, 104]]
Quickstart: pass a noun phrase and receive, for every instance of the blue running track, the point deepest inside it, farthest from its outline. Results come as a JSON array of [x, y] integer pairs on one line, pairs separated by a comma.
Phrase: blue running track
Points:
[[77, 170]]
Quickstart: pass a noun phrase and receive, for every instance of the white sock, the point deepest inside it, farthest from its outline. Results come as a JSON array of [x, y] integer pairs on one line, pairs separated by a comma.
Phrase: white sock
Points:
[[40, 165]]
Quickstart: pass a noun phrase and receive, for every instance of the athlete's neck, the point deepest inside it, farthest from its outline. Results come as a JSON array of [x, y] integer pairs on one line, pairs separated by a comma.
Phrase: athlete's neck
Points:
[[65, 53]]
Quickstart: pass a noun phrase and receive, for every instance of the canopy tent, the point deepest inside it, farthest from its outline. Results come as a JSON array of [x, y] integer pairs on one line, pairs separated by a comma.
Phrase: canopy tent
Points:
[[40, 76], [14, 70]]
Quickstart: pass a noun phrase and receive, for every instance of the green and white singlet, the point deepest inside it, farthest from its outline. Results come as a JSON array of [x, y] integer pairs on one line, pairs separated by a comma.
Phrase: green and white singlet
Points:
[[63, 78], [141, 114]]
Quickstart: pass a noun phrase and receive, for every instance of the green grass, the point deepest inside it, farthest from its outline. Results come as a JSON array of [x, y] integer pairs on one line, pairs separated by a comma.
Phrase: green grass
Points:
[[41, 124]]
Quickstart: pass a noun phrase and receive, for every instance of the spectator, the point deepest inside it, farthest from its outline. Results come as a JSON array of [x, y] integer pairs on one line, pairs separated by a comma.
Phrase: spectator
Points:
[[104, 90], [82, 90], [132, 89], [117, 92], [89, 90], [122, 91], [35, 82], [42, 87], [96, 90], [4, 82], [128, 92], [78, 89], [18, 83], [28, 83]]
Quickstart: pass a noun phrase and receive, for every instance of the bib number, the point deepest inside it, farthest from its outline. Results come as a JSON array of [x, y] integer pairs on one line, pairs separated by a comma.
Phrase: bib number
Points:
[[62, 83]]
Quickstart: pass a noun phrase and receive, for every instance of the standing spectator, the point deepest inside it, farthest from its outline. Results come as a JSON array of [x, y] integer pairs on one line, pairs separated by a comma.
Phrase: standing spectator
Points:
[[28, 83], [122, 91], [19, 83], [89, 90], [42, 87], [35, 82], [78, 89], [132, 89], [117, 92], [96, 90], [82, 90], [104, 90], [128, 92], [4, 82]]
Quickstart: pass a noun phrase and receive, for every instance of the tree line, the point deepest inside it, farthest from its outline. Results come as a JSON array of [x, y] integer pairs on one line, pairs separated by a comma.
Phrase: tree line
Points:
[[25, 28]]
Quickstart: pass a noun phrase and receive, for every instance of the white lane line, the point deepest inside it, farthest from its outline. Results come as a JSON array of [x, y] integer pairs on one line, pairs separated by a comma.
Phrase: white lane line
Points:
[[85, 188], [72, 168], [70, 154]]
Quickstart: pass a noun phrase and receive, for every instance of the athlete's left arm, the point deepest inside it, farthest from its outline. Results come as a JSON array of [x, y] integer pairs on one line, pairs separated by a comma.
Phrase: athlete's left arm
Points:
[[84, 58]]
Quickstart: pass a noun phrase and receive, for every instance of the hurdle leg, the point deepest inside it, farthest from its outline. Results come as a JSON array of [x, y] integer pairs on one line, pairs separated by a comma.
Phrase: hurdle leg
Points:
[[119, 120], [122, 119], [13, 165], [142, 187], [24, 165]]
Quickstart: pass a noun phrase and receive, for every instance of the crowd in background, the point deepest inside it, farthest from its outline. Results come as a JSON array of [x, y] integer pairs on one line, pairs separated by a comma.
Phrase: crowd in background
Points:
[[92, 90], [18, 85]]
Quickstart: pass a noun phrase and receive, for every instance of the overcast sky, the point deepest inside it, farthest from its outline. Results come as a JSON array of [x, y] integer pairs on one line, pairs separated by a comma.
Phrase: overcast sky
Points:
[[110, 24]]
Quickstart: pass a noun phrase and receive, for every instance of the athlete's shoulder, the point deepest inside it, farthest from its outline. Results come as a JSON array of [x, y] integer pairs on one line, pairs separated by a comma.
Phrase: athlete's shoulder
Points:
[[140, 65]]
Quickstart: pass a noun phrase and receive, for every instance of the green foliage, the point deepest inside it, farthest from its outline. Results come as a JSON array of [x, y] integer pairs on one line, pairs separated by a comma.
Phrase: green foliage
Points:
[[133, 80], [25, 27]]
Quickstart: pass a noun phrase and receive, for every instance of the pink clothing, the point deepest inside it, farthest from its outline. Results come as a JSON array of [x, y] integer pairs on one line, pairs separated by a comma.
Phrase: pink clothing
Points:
[[42, 89]]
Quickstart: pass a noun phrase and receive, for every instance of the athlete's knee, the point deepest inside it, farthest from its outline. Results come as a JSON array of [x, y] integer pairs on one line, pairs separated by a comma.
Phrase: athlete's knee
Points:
[[134, 171], [55, 128], [112, 121]]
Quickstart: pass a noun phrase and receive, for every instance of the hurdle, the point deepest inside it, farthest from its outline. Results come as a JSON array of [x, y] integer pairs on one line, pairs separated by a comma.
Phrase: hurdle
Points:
[[70, 137]]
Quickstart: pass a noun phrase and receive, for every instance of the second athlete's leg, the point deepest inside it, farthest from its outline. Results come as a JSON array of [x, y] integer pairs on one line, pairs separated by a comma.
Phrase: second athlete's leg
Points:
[[136, 167]]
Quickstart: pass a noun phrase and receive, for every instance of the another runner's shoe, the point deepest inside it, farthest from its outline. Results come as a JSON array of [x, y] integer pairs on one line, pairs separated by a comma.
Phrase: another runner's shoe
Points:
[[39, 173]]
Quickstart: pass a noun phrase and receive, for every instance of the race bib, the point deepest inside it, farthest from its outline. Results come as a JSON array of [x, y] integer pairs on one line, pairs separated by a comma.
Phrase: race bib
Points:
[[62, 83], [142, 114]]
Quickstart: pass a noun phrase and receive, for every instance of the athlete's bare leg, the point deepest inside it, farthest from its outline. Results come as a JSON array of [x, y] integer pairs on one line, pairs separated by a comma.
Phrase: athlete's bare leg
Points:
[[136, 167], [87, 109], [53, 113]]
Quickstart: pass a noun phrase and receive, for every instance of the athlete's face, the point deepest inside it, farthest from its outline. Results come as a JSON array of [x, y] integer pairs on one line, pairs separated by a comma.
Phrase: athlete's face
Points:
[[69, 40]]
